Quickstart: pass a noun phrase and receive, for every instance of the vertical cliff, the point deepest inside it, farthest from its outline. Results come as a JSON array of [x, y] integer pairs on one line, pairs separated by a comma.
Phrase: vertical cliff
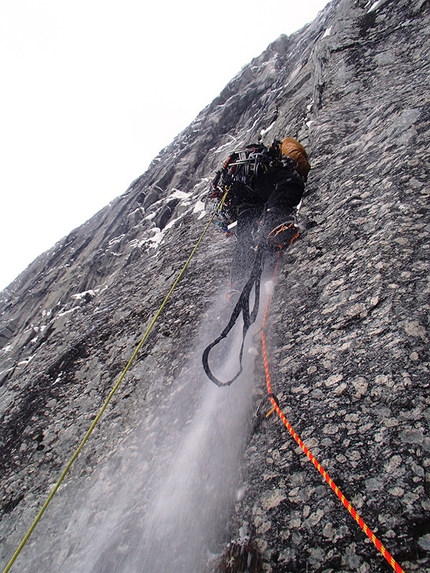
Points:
[[348, 326]]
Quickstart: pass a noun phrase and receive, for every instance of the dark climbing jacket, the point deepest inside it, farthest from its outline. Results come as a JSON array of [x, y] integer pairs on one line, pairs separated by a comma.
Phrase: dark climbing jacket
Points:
[[256, 176], [281, 186]]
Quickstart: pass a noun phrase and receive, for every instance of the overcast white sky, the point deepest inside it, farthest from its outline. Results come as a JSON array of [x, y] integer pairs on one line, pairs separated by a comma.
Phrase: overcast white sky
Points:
[[92, 90]]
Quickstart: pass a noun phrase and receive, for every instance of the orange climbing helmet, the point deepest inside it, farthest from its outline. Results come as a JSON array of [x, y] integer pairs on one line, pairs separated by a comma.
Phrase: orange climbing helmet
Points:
[[292, 148]]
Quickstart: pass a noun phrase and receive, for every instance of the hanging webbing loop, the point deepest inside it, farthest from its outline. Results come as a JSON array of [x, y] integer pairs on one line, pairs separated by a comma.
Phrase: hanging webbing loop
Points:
[[113, 390], [242, 306], [249, 317]]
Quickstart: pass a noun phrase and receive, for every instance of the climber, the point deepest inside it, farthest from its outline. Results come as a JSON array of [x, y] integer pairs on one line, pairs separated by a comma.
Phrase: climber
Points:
[[261, 188], [265, 208]]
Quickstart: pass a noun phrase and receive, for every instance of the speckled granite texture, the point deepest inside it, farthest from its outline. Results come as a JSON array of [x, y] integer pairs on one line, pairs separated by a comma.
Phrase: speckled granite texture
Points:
[[348, 328]]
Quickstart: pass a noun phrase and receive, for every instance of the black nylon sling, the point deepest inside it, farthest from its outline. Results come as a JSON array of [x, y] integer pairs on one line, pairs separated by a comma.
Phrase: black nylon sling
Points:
[[249, 317]]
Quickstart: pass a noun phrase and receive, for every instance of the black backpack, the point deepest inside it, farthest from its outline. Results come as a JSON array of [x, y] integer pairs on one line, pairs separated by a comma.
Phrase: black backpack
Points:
[[241, 169]]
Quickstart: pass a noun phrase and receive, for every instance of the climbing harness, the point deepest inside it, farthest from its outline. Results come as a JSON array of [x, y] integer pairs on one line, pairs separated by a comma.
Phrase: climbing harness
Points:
[[276, 408], [111, 393]]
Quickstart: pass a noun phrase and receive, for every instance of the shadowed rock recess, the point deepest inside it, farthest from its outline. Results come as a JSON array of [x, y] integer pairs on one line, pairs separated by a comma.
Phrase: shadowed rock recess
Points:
[[348, 328]]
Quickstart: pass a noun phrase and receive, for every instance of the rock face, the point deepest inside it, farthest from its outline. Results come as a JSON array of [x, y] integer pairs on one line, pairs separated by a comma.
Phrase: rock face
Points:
[[348, 327]]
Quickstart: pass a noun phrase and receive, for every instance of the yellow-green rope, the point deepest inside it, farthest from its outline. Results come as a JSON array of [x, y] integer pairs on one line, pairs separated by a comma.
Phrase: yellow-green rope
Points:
[[112, 392]]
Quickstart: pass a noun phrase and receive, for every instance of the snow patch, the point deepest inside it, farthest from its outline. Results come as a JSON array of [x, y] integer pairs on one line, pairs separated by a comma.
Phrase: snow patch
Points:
[[60, 314], [226, 145], [374, 6], [158, 237], [171, 224], [25, 362], [84, 295], [179, 194], [264, 131], [327, 32], [116, 240], [199, 207]]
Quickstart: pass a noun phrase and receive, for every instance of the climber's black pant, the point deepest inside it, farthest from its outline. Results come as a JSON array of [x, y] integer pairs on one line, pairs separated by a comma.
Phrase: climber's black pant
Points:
[[270, 203], [246, 240]]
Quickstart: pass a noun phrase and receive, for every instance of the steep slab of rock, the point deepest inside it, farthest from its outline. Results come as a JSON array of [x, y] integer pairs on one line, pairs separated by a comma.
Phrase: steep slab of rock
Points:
[[348, 327]]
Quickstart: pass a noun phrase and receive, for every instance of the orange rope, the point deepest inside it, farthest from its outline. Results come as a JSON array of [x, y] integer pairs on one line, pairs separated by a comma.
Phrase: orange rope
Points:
[[312, 458]]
